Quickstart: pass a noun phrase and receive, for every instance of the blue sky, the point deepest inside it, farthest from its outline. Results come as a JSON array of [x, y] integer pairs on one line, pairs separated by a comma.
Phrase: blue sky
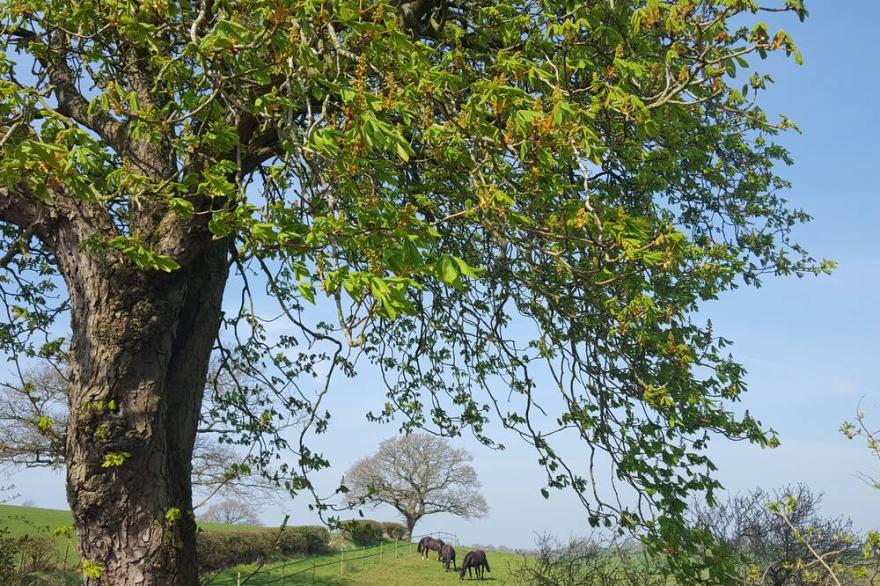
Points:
[[810, 345]]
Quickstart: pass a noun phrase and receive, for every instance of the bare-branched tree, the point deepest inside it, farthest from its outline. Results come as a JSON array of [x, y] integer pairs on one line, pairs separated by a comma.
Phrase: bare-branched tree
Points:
[[418, 475], [7, 489], [588, 561], [232, 512], [780, 538], [33, 431]]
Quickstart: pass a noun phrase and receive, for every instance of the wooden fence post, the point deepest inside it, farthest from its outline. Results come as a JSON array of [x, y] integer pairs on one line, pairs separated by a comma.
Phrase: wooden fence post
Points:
[[342, 562], [238, 580]]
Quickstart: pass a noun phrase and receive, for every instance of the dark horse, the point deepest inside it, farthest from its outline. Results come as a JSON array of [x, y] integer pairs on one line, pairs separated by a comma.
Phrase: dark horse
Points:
[[477, 560], [447, 554], [429, 543]]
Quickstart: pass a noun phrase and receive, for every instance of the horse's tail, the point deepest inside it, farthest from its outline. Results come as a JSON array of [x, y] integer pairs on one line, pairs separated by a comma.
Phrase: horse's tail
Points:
[[419, 548]]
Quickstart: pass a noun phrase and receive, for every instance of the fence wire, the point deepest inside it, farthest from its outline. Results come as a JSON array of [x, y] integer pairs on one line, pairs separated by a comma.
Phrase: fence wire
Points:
[[338, 560]]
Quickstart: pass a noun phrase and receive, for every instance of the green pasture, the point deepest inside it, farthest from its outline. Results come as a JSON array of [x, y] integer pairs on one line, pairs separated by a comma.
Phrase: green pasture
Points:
[[387, 565]]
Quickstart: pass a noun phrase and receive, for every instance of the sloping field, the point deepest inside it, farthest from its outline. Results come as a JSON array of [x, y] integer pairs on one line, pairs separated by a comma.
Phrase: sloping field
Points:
[[369, 567], [391, 564], [36, 521]]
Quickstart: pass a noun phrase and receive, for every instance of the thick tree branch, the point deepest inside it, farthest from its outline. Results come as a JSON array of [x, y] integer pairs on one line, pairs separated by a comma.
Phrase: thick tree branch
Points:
[[19, 207], [71, 102]]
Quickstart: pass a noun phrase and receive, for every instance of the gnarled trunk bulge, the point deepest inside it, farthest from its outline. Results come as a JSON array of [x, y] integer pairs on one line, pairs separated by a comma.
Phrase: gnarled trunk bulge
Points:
[[140, 354], [411, 525]]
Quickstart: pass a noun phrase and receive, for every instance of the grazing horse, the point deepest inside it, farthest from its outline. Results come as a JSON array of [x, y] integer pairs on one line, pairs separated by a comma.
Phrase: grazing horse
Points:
[[447, 553], [477, 560], [429, 543]]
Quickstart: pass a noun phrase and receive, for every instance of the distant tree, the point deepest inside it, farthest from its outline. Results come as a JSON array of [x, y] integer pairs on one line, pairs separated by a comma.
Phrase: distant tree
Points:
[[418, 475], [33, 433], [231, 512]]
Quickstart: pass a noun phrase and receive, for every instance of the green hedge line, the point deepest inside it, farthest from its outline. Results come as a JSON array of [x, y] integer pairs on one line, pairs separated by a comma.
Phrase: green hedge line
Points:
[[363, 531], [395, 530], [223, 549], [368, 532]]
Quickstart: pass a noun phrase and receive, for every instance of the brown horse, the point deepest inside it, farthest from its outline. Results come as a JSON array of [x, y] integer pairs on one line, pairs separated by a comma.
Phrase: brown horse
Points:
[[477, 560], [447, 554], [429, 543]]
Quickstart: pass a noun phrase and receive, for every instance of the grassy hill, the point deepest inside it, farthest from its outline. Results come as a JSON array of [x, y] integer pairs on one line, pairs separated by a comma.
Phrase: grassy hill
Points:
[[396, 566], [21, 520], [388, 565], [36, 521]]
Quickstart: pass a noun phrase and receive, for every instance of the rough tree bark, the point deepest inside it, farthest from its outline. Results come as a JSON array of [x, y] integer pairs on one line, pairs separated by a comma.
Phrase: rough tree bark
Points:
[[140, 349], [139, 359], [140, 346]]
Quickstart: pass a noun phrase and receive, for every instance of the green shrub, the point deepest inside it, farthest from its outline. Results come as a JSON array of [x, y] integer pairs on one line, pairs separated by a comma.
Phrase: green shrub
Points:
[[27, 559], [223, 549], [363, 531], [7, 557], [394, 530], [304, 540], [35, 553], [219, 550]]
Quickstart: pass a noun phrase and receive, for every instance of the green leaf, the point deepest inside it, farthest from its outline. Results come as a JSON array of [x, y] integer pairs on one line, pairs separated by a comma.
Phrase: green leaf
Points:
[[218, 226], [447, 269]]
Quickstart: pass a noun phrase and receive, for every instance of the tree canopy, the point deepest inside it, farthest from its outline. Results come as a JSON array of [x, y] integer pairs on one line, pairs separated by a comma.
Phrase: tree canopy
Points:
[[476, 197], [418, 475]]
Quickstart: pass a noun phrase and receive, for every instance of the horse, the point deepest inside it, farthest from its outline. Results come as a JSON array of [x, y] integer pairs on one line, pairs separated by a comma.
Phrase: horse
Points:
[[429, 543], [477, 560], [447, 552]]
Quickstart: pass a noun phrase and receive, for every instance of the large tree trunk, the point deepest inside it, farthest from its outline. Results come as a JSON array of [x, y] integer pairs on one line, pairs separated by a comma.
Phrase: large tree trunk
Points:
[[410, 525], [140, 350]]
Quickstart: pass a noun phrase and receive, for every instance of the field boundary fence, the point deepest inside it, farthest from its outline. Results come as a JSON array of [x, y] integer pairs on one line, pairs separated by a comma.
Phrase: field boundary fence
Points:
[[297, 566]]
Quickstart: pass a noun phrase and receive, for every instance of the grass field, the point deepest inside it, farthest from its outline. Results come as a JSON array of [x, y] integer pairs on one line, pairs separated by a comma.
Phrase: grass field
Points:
[[391, 564], [33, 521], [36, 521], [394, 567], [21, 520]]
